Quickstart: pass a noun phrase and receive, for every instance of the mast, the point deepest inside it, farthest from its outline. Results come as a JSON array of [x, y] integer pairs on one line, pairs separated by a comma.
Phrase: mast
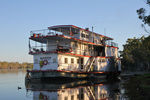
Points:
[[92, 41]]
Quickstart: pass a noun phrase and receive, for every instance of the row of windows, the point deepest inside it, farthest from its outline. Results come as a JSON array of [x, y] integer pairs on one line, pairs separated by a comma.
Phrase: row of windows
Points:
[[82, 46], [72, 60], [84, 35], [66, 60]]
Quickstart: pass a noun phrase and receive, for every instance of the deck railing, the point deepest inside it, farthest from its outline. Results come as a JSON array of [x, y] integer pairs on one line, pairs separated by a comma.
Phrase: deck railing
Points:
[[59, 48], [48, 32], [110, 43], [45, 32], [114, 44]]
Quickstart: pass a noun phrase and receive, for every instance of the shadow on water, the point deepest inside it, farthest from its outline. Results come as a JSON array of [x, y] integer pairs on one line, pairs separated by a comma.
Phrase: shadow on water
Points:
[[75, 90]]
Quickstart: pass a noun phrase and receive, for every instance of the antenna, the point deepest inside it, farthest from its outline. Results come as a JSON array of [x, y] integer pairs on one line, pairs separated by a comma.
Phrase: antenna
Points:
[[92, 40], [92, 34]]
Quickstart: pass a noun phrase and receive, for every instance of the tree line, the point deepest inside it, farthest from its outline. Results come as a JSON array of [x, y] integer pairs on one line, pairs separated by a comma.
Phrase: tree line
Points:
[[136, 54], [15, 65]]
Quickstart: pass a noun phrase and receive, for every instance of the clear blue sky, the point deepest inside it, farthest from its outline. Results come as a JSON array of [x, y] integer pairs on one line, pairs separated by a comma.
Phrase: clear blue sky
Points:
[[19, 17]]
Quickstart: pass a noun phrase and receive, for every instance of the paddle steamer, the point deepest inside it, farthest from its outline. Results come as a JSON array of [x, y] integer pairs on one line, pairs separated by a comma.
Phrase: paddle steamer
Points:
[[68, 51]]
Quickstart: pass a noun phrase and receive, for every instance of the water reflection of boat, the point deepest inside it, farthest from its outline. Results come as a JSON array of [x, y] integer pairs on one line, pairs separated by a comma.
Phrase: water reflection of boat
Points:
[[78, 90]]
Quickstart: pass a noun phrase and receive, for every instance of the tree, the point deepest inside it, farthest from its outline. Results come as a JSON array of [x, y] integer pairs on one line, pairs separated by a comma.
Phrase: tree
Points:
[[146, 49], [136, 53], [145, 18]]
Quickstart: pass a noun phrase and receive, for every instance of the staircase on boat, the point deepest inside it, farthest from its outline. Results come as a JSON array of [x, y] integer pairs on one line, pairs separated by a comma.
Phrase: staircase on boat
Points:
[[90, 61]]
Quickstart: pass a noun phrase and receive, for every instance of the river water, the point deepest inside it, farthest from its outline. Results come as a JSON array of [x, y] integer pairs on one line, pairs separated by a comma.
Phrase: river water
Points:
[[14, 87]]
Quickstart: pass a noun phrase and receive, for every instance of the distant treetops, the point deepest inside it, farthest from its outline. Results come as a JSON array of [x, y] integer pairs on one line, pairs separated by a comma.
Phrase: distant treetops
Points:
[[15, 65]]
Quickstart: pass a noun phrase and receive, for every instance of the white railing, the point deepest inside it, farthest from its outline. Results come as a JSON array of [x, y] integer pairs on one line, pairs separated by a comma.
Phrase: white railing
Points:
[[45, 32], [48, 32], [114, 44], [60, 48], [110, 43]]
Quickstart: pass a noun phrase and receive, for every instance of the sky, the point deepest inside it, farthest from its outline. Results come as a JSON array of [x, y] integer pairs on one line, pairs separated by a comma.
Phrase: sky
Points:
[[19, 17]]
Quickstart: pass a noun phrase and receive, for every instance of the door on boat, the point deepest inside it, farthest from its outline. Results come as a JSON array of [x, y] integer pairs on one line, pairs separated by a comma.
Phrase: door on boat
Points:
[[81, 63], [100, 51]]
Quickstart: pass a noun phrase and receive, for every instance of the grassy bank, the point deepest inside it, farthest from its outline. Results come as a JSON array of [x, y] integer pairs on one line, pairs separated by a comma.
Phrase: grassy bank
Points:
[[138, 87]]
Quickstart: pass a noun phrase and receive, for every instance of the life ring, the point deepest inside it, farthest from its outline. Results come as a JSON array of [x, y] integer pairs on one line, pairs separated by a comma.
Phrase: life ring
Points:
[[71, 33], [70, 49], [45, 62]]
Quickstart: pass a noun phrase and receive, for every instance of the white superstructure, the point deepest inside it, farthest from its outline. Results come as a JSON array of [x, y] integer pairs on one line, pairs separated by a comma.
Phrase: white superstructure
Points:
[[70, 48]]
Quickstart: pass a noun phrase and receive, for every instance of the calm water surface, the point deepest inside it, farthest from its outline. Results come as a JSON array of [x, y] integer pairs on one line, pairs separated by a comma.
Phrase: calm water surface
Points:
[[10, 80]]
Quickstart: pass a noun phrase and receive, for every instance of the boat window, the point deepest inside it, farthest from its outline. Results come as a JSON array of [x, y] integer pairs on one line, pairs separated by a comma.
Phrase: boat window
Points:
[[77, 61], [74, 45], [82, 35], [100, 60], [66, 44], [87, 36], [103, 60], [66, 60], [54, 60], [36, 61], [72, 60]]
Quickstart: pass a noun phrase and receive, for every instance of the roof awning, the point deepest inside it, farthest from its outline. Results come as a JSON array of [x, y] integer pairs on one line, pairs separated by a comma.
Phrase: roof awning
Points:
[[61, 28], [74, 29]]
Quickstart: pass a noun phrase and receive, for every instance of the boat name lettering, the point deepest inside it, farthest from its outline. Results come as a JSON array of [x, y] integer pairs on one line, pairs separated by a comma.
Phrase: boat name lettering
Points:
[[45, 58]]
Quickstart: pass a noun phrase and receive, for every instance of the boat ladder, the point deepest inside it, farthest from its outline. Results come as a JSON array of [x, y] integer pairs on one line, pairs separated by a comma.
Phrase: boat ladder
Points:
[[91, 61]]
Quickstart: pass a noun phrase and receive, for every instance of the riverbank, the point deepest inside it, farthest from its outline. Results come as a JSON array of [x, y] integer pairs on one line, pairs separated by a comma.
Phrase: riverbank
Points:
[[15, 65], [138, 87]]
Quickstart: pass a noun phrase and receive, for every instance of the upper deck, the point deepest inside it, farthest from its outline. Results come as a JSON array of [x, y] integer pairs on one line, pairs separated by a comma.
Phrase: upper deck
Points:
[[69, 33], [72, 32]]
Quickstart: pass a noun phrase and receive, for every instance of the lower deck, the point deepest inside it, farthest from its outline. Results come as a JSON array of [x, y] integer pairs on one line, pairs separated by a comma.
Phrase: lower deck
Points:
[[66, 62]]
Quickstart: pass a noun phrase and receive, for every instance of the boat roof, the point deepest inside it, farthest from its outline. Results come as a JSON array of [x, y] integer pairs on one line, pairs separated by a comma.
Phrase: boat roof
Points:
[[73, 29]]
